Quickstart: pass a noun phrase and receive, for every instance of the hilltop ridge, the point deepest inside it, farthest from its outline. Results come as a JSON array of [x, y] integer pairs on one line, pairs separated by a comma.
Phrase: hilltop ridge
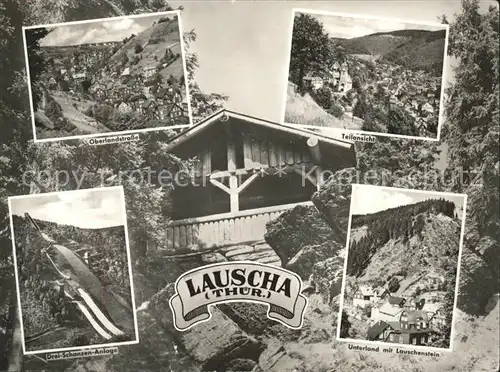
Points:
[[414, 49]]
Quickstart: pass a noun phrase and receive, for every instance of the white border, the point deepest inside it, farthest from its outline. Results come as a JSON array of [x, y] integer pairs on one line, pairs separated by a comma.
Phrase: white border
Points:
[[127, 244], [457, 283], [339, 131], [106, 134]]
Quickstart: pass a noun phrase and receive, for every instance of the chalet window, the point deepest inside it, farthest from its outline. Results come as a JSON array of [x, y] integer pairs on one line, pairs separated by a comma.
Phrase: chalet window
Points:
[[414, 341], [422, 340], [401, 340], [197, 201], [391, 337], [271, 190]]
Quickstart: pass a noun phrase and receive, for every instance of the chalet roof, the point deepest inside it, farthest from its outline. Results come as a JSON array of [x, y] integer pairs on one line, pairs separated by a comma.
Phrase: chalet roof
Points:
[[375, 330], [380, 291], [366, 290], [414, 315], [427, 106], [389, 309], [340, 153], [395, 300], [396, 326], [431, 307], [137, 97]]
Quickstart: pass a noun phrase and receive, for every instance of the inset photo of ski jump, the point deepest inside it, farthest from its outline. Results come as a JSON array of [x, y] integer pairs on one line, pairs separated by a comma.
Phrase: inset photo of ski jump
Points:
[[73, 273]]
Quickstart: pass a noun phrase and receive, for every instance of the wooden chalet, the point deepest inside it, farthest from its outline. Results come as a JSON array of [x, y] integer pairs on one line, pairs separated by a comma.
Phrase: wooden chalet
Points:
[[248, 172]]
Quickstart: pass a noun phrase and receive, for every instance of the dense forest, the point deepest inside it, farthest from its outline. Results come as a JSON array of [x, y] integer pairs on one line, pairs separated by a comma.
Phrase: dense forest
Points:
[[401, 222]]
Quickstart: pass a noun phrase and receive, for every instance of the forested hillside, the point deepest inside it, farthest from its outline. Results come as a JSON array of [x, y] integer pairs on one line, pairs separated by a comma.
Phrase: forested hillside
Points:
[[412, 49], [398, 224]]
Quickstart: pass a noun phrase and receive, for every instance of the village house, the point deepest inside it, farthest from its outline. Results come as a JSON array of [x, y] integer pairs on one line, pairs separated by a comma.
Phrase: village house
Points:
[[436, 314], [413, 328], [427, 107], [125, 72], [387, 312], [315, 82], [338, 77], [79, 76], [365, 295], [124, 108], [149, 107], [176, 110], [136, 101], [52, 84], [248, 172], [148, 71]]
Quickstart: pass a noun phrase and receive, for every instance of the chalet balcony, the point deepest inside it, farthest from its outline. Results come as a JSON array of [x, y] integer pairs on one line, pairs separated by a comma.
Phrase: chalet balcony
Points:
[[222, 229]]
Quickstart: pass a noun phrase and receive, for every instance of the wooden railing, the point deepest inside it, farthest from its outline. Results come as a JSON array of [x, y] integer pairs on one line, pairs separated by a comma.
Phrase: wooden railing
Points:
[[222, 229]]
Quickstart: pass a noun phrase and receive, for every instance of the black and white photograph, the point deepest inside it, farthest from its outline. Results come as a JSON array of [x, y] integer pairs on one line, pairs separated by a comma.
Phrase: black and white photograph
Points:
[[107, 76], [73, 272], [402, 266], [240, 184], [366, 74]]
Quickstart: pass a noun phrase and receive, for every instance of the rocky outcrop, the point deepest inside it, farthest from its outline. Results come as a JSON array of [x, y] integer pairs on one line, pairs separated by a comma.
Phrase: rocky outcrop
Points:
[[258, 252], [213, 344], [241, 365], [477, 283], [295, 229], [303, 262], [333, 201], [252, 318], [276, 359], [327, 277]]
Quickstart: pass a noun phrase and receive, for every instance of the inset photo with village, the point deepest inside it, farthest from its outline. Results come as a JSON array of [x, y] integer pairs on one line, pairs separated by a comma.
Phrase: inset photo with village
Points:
[[73, 270], [402, 266], [366, 74], [97, 77]]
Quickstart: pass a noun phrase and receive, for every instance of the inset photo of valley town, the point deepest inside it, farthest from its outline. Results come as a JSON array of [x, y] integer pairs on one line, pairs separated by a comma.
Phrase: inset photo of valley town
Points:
[[366, 74], [97, 77], [402, 266]]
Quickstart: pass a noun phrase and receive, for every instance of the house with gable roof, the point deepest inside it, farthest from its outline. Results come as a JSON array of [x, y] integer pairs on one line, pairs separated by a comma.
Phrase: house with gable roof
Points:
[[412, 328], [247, 172]]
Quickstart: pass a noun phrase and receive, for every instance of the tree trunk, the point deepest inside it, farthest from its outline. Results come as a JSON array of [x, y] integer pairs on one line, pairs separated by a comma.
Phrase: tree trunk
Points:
[[15, 356]]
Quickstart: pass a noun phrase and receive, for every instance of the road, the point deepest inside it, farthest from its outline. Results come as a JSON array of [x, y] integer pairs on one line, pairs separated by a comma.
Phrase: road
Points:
[[76, 117]]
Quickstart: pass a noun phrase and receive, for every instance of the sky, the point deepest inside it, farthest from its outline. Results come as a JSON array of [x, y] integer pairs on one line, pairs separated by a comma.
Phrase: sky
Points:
[[350, 27], [100, 31], [243, 47], [90, 209], [371, 199]]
